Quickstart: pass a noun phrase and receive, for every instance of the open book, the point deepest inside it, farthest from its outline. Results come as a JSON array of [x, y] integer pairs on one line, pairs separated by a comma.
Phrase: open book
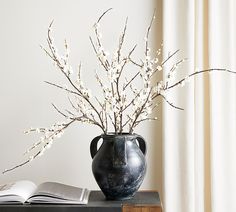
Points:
[[49, 192]]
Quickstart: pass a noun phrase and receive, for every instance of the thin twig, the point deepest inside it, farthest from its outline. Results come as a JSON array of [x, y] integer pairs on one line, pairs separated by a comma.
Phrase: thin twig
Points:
[[171, 104], [63, 88], [96, 52], [101, 125], [198, 72], [99, 19], [132, 79], [121, 40], [140, 111], [170, 56], [38, 153], [60, 112], [148, 32]]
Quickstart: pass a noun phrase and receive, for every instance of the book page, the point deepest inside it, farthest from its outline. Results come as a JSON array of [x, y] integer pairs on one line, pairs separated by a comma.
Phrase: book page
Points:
[[18, 191], [59, 193]]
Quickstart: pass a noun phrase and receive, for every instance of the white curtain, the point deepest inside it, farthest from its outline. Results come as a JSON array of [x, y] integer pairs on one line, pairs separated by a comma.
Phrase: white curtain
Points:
[[199, 143]]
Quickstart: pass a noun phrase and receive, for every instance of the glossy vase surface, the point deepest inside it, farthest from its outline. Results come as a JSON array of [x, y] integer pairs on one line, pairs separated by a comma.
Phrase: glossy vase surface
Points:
[[119, 165]]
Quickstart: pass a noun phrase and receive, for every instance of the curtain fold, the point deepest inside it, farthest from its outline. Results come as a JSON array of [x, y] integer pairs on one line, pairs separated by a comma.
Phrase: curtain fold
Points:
[[199, 143], [223, 101]]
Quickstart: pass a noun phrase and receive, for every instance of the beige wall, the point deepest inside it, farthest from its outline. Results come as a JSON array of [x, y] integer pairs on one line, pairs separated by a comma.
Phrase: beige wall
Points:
[[26, 100]]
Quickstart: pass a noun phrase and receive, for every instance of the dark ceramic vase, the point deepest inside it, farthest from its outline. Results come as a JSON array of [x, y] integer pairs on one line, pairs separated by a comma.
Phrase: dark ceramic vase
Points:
[[119, 165]]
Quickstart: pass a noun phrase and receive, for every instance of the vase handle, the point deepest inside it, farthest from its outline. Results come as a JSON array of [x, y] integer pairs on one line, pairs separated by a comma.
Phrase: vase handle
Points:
[[142, 144], [93, 146]]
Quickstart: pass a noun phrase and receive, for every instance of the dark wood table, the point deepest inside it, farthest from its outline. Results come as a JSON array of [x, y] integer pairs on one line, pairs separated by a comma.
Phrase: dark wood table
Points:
[[143, 201]]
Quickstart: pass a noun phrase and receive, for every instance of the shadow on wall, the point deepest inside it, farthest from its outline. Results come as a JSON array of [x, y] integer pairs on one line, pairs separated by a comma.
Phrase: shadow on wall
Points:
[[156, 130]]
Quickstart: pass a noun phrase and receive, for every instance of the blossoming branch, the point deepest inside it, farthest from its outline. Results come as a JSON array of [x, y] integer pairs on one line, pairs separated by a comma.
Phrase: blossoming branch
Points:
[[125, 102]]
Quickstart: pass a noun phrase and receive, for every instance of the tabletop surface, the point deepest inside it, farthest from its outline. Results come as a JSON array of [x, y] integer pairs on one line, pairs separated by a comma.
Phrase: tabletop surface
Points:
[[97, 199]]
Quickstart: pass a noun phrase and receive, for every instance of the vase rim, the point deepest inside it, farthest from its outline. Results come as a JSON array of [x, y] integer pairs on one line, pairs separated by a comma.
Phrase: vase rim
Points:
[[123, 133], [112, 135]]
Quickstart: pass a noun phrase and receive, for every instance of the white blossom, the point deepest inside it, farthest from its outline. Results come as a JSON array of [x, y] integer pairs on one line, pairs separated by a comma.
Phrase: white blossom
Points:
[[159, 68], [156, 60]]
